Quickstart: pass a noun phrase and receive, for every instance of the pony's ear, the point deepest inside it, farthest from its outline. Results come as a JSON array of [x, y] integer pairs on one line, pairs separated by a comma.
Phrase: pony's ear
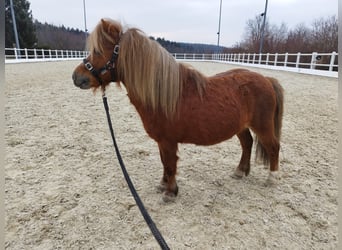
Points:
[[110, 28], [105, 24]]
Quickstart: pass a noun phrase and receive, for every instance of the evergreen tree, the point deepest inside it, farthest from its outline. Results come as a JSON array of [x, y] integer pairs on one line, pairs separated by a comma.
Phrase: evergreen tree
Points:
[[24, 21]]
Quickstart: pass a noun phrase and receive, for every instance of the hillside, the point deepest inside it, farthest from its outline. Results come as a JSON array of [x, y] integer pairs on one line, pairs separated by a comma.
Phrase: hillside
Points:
[[53, 37]]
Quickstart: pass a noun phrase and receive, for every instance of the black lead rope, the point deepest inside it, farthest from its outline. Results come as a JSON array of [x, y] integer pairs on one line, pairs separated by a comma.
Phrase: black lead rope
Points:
[[157, 235]]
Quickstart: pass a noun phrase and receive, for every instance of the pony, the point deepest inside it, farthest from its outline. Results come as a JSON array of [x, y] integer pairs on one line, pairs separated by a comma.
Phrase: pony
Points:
[[178, 104]]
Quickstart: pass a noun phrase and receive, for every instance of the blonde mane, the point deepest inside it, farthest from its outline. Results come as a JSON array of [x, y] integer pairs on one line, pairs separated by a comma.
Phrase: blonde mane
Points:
[[99, 37], [149, 72]]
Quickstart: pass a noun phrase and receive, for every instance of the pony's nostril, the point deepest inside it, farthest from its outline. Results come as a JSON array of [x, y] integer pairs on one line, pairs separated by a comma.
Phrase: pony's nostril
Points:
[[81, 81], [77, 81], [73, 76]]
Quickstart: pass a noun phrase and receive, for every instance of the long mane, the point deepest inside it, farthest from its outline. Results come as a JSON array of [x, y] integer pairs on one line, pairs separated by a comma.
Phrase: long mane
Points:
[[99, 37], [150, 73]]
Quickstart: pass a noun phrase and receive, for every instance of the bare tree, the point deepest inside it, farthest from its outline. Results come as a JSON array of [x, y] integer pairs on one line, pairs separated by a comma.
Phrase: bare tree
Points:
[[322, 37], [276, 38], [252, 34], [325, 34], [298, 39]]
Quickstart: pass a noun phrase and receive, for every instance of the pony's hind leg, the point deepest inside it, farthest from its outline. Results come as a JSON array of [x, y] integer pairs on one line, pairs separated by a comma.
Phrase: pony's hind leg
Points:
[[168, 184], [246, 142], [268, 151]]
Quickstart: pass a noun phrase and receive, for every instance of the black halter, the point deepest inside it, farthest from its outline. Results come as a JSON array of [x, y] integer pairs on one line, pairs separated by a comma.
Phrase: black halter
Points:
[[110, 65]]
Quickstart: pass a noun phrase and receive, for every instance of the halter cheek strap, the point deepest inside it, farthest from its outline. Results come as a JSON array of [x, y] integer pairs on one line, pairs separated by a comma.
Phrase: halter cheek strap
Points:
[[92, 70], [110, 65]]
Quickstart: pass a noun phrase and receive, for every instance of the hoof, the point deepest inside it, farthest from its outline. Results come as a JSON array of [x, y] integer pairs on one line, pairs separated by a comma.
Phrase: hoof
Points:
[[168, 197], [161, 188], [273, 178], [168, 194], [238, 174]]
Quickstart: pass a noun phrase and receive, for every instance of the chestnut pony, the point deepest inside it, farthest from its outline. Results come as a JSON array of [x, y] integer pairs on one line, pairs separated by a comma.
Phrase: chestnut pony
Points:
[[178, 104]]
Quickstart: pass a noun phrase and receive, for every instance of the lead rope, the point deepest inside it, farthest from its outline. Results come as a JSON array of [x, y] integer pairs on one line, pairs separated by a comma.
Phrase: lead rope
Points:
[[157, 235]]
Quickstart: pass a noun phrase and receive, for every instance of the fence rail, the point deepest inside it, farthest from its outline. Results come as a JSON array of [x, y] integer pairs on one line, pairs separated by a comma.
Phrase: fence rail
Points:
[[13, 55], [325, 64]]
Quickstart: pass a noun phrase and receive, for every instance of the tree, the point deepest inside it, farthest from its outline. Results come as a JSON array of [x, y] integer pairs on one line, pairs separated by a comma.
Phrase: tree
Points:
[[24, 21], [276, 38], [322, 37], [53, 37], [298, 40], [252, 33], [325, 34]]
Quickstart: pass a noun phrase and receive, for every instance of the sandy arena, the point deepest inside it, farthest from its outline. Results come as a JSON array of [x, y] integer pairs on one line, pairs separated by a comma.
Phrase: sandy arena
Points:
[[64, 188]]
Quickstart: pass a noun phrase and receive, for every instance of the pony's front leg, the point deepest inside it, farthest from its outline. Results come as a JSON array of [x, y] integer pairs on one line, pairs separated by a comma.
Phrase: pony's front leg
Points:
[[246, 141], [168, 184]]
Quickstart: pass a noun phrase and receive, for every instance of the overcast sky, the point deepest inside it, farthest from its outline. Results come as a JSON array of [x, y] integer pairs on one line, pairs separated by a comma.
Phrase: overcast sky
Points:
[[183, 20]]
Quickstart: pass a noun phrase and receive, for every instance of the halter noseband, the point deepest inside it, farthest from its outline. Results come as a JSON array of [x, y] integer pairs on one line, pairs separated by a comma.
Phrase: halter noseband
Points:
[[110, 65]]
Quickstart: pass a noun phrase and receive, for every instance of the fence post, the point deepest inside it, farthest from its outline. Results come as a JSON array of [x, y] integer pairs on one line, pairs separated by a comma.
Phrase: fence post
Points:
[[313, 60], [298, 60], [26, 55], [260, 56], [275, 59], [43, 54], [332, 60], [50, 54], [15, 53], [267, 58], [285, 59]]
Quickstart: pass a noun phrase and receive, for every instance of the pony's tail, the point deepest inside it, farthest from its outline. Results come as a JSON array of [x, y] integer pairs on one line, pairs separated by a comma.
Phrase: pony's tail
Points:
[[260, 153]]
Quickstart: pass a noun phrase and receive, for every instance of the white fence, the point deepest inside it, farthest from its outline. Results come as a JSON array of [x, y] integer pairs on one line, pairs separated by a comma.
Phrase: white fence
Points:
[[325, 64], [13, 55]]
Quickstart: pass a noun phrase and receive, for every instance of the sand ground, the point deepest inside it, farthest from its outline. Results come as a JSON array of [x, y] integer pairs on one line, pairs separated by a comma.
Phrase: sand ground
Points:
[[64, 188]]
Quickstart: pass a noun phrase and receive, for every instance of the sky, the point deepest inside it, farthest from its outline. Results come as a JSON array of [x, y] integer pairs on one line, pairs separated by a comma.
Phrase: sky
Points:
[[194, 21]]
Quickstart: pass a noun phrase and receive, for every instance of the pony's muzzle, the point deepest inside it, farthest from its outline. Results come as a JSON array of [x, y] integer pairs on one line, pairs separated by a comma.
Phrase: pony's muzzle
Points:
[[81, 81]]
